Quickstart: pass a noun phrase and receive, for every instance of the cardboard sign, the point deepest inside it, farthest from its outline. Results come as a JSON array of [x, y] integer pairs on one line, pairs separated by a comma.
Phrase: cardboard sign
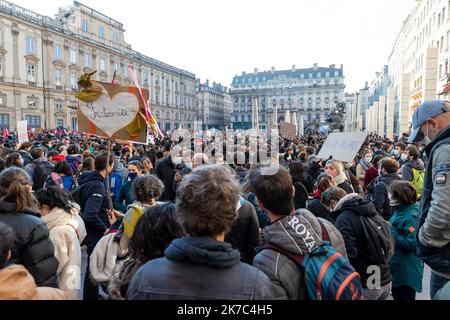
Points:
[[22, 131], [117, 113], [342, 146], [288, 130]]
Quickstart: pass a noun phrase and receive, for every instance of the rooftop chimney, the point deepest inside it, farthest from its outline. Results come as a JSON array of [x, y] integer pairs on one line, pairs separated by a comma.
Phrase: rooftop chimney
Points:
[[256, 70], [272, 70], [244, 73], [332, 66], [315, 66], [293, 68]]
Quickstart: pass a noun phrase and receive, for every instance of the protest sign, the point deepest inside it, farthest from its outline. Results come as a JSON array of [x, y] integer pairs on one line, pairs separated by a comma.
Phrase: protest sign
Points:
[[22, 131], [118, 113], [342, 146], [288, 130]]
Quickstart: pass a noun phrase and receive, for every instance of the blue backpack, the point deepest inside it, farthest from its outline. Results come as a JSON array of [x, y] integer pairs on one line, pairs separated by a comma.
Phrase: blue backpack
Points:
[[328, 274], [115, 184]]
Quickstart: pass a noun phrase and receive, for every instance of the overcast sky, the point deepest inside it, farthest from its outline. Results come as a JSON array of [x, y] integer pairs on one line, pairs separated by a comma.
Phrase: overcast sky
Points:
[[216, 39]]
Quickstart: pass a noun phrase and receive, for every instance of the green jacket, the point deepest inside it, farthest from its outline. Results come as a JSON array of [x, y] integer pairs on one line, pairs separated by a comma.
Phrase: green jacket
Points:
[[406, 267], [125, 197]]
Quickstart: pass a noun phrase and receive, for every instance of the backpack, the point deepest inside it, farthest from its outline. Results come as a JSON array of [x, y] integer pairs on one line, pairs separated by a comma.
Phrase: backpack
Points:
[[115, 184], [380, 242], [418, 181], [328, 274], [40, 174]]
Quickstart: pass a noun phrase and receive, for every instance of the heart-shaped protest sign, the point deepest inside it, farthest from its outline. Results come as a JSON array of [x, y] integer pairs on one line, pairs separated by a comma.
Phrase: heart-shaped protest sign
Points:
[[111, 114]]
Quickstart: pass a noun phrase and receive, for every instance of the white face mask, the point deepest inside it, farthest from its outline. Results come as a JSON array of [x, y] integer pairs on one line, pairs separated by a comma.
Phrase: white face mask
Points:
[[177, 161], [368, 159], [404, 157]]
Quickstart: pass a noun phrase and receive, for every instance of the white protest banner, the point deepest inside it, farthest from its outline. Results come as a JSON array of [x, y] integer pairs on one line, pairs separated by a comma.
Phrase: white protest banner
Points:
[[22, 129], [342, 146]]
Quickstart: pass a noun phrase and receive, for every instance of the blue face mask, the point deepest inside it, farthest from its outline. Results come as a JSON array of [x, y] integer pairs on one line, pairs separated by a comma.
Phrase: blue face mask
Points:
[[132, 175]]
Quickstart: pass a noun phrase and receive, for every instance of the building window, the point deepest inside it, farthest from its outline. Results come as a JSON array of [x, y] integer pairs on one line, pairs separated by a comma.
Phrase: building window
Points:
[[30, 45], [167, 126], [58, 105], [34, 121], [73, 81], [59, 123], [125, 72], [336, 73], [73, 56], [58, 75], [87, 60], [310, 75], [4, 120], [114, 37], [3, 100], [327, 74], [58, 52], [102, 64], [85, 25], [302, 76], [101, 32], [318, 75], [116, 67], [74, 123], [145, 76], [31, 72]]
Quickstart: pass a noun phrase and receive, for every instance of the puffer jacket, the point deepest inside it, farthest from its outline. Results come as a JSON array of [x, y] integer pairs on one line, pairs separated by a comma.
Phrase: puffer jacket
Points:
[[32, 248], [244, 233], [288, 281], [199, 268], [348, 221]]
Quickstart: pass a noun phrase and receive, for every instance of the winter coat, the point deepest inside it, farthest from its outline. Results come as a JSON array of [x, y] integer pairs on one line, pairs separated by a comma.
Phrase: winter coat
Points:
[[68, 182], [165, 171], [371, 174], [26, 157], [406, 267], [301, 196], [67, 231], [433, 234], [380, 197], [94, 207], [407, 169], [74, 162], [346, 186], [125, 197], [16, 283], [32, 248], [199, 268], [348, 215], [316, 207], [241, 174], [244, 234], [263, 217], [288, 280]]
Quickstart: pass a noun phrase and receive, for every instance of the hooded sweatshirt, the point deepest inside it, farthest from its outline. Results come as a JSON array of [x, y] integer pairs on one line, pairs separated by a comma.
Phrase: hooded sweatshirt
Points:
[[407, 169], [16, 283], [67, 231]]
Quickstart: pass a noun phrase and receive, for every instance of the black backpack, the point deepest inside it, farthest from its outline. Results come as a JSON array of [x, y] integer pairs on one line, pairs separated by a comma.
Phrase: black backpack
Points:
[[40, 174], [380, 242]]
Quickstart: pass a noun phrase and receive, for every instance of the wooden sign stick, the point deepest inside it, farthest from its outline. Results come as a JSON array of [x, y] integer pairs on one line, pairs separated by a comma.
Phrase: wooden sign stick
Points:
[[108, 189]]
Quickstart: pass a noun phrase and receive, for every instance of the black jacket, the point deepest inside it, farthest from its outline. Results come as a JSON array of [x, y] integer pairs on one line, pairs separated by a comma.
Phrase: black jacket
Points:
[[380, 194], [244, 233], [347, 187], [301, 196], [26, 157], [94, 206], [316, 207], [32, 247], [348, 222], [165, 170]]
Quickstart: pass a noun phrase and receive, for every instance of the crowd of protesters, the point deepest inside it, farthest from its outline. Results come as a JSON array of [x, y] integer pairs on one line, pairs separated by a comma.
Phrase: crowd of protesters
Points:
[[184, 225]]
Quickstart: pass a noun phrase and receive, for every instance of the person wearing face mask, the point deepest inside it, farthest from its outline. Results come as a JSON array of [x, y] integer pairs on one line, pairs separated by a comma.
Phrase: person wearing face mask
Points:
[[400, 148], [125, 197], [412, 166], [431, 127], [336, 169], [406, 267], [387, 176], [166, 169]]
